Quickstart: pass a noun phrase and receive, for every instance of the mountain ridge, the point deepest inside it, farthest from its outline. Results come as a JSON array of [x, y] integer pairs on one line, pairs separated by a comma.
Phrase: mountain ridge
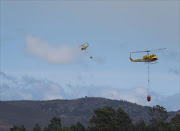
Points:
[[29, 112]]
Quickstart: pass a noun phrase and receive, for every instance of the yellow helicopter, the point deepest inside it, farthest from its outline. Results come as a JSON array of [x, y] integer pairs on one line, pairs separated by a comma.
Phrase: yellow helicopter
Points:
[[147, 58], [84, 46]]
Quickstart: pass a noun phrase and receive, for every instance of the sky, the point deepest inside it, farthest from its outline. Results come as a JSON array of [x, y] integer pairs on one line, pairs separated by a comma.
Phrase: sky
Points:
[[40, 58]]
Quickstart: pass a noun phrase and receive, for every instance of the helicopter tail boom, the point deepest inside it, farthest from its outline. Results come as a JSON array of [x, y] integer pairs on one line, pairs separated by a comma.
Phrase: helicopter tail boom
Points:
[[137, 60], [132, 59]]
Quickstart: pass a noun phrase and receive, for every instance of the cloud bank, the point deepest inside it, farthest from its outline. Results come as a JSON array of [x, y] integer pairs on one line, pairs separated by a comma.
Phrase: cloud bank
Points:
[[61, 54], [134, 95], [29, 88]]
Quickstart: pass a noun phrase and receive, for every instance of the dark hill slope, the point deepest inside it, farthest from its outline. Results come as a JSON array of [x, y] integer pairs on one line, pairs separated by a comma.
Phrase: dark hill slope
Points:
[[70, 111], [14, 115]]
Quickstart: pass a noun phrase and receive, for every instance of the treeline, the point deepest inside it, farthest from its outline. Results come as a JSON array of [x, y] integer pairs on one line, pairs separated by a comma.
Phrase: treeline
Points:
[[107, 119]]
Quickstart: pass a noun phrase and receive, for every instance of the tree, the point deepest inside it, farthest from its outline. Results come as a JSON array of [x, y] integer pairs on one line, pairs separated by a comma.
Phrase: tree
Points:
[[103, 120], [157, 113], [141, 126], [175, 123], [55, 125], [80, 127], [65, 129], [16, 128], [122, 119], [74, 127], [106, 119], [161, 125], [37, 127], [77, 127]]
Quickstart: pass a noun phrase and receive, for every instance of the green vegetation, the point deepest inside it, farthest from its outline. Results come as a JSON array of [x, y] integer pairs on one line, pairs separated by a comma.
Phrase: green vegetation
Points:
[[37, 127], [107, 119], [158, 113], [18, 128], [78, 127]]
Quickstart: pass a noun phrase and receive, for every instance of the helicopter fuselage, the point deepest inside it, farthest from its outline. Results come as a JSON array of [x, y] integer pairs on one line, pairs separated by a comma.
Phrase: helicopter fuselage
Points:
[[84, 47], [146, 58]]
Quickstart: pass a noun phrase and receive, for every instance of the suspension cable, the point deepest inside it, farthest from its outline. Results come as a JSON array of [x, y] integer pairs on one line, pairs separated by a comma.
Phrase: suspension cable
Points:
[[148, 78]]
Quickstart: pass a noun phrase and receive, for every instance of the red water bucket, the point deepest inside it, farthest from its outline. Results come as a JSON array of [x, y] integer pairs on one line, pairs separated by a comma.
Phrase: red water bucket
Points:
[[148, 98]]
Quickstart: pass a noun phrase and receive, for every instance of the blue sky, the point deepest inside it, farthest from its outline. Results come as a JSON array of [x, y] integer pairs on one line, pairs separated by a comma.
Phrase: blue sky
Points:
[[38, 38]]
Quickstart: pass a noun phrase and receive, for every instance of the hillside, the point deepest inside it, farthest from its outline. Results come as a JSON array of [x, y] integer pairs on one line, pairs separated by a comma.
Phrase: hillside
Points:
[[13, 115], [70, 111]]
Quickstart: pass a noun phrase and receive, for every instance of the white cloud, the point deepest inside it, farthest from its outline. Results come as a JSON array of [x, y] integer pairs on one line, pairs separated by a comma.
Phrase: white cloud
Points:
[[61, 54], [135, 95], [29, 88]]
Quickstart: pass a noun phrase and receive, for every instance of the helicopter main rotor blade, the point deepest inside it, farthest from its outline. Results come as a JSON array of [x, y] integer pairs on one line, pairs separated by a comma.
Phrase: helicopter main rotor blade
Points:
[[148, 50], [80, 46], [140, 51], [158, 49], [86, 44]]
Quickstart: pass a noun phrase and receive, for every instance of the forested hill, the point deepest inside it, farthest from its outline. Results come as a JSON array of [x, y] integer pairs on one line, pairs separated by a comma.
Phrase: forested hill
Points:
[[70, 111]]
